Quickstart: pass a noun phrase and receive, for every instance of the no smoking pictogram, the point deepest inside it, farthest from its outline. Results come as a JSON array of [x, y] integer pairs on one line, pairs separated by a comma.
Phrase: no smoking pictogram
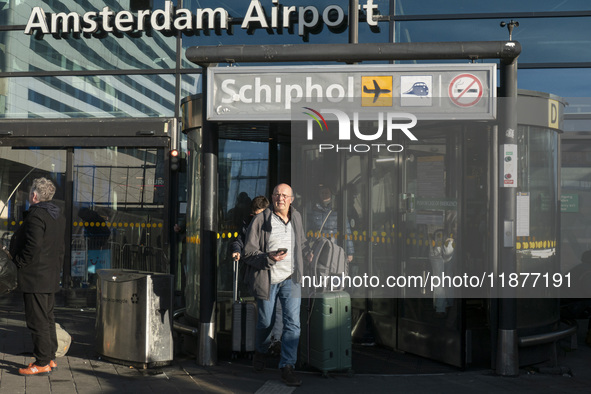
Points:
[[465, 90]]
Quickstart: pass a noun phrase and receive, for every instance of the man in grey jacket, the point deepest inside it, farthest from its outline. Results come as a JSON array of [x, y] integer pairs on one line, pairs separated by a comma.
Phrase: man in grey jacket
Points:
[[274, 248]]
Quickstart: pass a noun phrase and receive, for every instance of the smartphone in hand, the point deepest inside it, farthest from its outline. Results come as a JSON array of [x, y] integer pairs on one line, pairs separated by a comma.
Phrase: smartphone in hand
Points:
[[279, 251]]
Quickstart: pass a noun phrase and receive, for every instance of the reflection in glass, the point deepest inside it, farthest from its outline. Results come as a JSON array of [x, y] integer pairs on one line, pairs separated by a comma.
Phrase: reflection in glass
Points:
[[430, 211], [89, 97], [563, 46], [243, 176], [570, 83], [118, 211], [321, 34], [18, 168], [190, 84], [431, 7], [575, 177], [193, 222], [30, 53], [538, 149]]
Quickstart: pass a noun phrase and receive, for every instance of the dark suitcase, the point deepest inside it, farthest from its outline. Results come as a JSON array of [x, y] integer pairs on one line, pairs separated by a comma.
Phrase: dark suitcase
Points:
[[244, 318], [325, 338]]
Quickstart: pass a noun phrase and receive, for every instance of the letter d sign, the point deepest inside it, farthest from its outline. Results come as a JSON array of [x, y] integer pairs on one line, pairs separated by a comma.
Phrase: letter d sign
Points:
[[553, 112]]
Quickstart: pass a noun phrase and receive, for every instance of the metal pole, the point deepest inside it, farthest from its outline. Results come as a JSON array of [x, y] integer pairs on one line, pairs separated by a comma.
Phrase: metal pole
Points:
[[69, 193], [351, 53], [207, 352], [507, 363], [353, 21]]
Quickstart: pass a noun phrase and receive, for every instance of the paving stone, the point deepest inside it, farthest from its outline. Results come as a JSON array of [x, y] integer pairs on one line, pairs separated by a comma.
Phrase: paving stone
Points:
[[83, 371]]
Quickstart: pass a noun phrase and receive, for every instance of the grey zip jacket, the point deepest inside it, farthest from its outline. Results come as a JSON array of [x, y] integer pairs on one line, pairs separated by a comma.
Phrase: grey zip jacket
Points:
[[258, 274]]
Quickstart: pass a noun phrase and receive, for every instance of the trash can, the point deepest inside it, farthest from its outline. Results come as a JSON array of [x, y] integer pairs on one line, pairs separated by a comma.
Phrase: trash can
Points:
[[134, 317]]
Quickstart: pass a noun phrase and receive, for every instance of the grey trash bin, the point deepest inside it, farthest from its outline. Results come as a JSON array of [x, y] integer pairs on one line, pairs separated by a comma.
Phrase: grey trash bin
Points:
[[134, 317]]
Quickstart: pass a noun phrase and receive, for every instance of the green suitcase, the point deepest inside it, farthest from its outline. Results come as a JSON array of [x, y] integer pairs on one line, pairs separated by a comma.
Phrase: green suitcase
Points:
[[325, 338]]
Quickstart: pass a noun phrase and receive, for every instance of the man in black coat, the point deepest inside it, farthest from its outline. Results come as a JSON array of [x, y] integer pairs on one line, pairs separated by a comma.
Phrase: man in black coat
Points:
[[38, 248]]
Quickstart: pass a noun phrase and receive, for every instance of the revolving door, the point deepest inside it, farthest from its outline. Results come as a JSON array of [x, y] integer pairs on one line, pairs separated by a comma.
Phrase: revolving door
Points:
[[429, 209], [396, 214]]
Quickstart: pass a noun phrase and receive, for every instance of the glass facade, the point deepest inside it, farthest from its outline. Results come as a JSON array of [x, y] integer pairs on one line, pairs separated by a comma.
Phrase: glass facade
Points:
[[434, 7], [121, 59], [117, 205], [566, 44], [193, 231], [101, 74], [126, 59], [538, 190], [27, 53], [97, 96]]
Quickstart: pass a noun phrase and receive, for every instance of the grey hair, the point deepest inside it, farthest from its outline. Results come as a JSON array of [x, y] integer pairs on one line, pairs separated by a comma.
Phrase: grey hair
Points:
[[44, 188]]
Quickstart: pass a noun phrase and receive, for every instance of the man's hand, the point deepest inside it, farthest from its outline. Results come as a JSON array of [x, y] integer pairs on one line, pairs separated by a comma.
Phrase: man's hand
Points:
[[7, 252], [236, 256], [277, 256]]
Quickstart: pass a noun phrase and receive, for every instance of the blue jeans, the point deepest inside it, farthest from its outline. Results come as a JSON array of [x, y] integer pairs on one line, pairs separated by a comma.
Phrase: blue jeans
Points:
[[278, 326], [289, 294]]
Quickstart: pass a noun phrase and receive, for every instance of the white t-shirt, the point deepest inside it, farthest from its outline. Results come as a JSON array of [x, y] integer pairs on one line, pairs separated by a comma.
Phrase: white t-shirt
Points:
[[281, 237]]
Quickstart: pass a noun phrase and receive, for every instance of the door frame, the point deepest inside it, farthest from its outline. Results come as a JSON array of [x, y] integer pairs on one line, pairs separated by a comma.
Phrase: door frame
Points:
[[69, 134]]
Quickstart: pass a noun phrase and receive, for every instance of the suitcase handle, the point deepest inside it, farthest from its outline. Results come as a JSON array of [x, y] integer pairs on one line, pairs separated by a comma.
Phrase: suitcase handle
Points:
[[235, 290]]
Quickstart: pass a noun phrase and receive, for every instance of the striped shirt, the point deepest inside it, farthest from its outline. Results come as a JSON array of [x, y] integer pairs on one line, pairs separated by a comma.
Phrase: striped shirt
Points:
[[281, 237]]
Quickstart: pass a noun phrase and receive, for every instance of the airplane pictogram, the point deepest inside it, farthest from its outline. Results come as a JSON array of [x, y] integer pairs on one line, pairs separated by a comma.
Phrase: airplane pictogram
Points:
[[376, 90]]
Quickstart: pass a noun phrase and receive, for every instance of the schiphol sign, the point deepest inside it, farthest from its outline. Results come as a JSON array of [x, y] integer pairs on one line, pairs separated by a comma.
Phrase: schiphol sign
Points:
[[441, 91], [172, 19]]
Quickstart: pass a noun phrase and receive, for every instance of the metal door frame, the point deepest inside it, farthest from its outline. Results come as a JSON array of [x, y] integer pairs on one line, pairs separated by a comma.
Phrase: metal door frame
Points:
[[69, 134]]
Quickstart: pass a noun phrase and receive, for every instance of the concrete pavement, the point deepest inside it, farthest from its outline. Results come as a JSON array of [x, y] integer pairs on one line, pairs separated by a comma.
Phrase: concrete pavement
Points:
[[82, 371]]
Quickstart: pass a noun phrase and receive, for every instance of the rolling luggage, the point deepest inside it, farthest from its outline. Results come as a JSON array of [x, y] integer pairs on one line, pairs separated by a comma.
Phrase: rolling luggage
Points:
[[244, 318], [325, 338]]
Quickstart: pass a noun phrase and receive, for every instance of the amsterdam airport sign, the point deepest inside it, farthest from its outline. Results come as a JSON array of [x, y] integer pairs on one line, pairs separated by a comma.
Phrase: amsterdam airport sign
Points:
[[443, 91], [172, 19]]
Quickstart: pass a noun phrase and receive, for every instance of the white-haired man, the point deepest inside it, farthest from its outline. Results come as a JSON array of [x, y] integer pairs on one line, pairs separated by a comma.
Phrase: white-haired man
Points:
[[274, 248], [38, 247]]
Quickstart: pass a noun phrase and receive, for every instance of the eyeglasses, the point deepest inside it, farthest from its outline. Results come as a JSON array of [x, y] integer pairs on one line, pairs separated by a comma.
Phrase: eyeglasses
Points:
[[279, 196]]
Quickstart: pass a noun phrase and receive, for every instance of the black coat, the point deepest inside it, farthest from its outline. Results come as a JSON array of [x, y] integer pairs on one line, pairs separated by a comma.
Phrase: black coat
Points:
[[238, 245], [38, 247]]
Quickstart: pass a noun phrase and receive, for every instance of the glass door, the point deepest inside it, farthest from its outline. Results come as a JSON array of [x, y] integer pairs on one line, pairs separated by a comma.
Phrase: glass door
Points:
[[118, 211], [352, 199], [18, 168], [429, 205], [385, 243], [243, 175], [115, 207]]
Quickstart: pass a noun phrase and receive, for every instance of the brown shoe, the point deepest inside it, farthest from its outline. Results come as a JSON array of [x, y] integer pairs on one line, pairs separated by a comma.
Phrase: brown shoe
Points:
[[289, 376], [33, 369], [52, 364]]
